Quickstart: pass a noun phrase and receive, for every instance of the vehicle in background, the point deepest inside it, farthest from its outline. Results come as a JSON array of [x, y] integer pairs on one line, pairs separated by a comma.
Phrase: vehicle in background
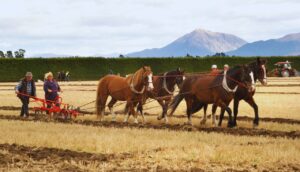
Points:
[[283, 69]]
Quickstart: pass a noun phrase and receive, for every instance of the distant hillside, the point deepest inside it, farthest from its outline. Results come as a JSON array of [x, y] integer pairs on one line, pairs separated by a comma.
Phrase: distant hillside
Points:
[[49, 55], [288, 45]]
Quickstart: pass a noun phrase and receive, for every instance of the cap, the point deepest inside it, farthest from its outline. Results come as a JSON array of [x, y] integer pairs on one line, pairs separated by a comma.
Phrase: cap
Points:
[[226, 65], [214, 66]]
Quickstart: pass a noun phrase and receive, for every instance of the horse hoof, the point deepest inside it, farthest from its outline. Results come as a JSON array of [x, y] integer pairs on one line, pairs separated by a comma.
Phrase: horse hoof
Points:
[[159, 118], [203, 122], [166, 121], [255, 126], [229, 125]]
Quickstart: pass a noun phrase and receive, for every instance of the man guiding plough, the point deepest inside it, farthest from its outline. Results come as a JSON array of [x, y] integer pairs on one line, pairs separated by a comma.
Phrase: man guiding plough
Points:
[[24, 90]]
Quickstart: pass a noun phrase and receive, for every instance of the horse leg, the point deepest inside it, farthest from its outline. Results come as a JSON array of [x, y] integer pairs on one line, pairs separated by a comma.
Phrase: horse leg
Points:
[[228, 110], [203, 121], [221, 117], [111, 108], [101, 106], [252, 103], [214, 109], [140, 109], [127, 112], [161, 103], [189, 104], [134, 113], [236, 103], [132, 105], [165, 109]]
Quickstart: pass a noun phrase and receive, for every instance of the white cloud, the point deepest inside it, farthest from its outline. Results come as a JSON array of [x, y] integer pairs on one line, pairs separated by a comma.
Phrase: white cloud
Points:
[[100, 27]]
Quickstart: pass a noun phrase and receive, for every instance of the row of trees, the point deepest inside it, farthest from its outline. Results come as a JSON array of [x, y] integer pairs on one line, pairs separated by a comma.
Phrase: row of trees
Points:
[[9, 54]]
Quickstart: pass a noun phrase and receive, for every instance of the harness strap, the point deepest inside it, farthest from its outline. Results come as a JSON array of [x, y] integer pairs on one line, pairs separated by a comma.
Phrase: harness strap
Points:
[[133, 89], [225, 86], [165, 84]]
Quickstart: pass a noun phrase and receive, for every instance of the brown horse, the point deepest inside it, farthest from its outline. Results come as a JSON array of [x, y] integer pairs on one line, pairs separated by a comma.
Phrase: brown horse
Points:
[[164, 87], [128, 89], [259, 70], [217, 90]]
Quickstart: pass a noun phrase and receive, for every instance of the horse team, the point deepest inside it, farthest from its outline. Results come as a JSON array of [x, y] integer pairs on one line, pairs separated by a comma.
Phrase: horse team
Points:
[[198, 91]]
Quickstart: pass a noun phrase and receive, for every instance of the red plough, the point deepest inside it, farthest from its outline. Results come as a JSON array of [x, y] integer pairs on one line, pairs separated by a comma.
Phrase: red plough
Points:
[[57, 108]]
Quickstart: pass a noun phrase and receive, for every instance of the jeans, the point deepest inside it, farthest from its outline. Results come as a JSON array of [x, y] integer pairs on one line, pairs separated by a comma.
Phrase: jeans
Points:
[[25, 103]]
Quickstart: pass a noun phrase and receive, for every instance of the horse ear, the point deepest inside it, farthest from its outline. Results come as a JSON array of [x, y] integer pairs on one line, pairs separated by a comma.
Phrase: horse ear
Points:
[[144, 68], [265, 61], [258, 61], [245, 67]]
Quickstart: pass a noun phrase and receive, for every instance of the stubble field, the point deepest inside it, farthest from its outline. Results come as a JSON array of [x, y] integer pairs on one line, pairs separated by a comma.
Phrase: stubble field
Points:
[[39, 144]]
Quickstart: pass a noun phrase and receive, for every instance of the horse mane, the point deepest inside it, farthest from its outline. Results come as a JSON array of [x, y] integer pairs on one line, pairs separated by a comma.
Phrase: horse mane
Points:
[[136, 75]]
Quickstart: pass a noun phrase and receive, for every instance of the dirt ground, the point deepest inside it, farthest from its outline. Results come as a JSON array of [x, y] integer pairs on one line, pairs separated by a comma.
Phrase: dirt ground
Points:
[[31, 144]]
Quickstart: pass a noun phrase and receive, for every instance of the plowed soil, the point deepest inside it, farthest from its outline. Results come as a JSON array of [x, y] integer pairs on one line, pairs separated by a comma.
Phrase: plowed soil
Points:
[[240, 131], [15, 157], [239, 118]]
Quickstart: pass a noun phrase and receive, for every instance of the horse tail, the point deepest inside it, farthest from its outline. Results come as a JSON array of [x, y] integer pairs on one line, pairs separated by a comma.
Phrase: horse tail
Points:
[[101, 99], [175, 102]]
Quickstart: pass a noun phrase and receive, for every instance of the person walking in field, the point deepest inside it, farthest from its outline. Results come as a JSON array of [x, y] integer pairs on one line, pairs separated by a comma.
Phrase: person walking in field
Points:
[[226, 67], [214, 70], [24, 90], [51, 89]]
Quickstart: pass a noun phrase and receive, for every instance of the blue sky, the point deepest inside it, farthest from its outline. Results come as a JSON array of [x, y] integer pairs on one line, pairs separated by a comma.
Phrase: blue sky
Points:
[[101, 27]]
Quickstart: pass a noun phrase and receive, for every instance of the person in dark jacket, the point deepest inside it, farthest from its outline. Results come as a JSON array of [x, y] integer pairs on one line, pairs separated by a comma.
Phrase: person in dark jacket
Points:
[[25, 90], [51, 89]]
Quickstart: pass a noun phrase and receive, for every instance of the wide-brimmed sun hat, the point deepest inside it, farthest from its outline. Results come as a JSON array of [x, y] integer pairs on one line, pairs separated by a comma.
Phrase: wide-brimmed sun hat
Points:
[[29, 74], [48, 74]]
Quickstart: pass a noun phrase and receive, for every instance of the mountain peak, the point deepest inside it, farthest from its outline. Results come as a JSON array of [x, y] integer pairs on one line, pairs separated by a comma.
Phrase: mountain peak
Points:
[[212, 41], [200, 30], [199, 42]]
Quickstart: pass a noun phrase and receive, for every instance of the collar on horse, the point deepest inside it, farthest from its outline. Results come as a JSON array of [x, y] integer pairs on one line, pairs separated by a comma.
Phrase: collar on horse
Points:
[[132, 86], [165, 84], [225, 86]]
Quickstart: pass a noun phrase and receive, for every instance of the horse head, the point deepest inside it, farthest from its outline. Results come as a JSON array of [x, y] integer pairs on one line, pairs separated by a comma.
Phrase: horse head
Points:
[[147, 77], [172, 78], [180, 77], [241, 75]]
